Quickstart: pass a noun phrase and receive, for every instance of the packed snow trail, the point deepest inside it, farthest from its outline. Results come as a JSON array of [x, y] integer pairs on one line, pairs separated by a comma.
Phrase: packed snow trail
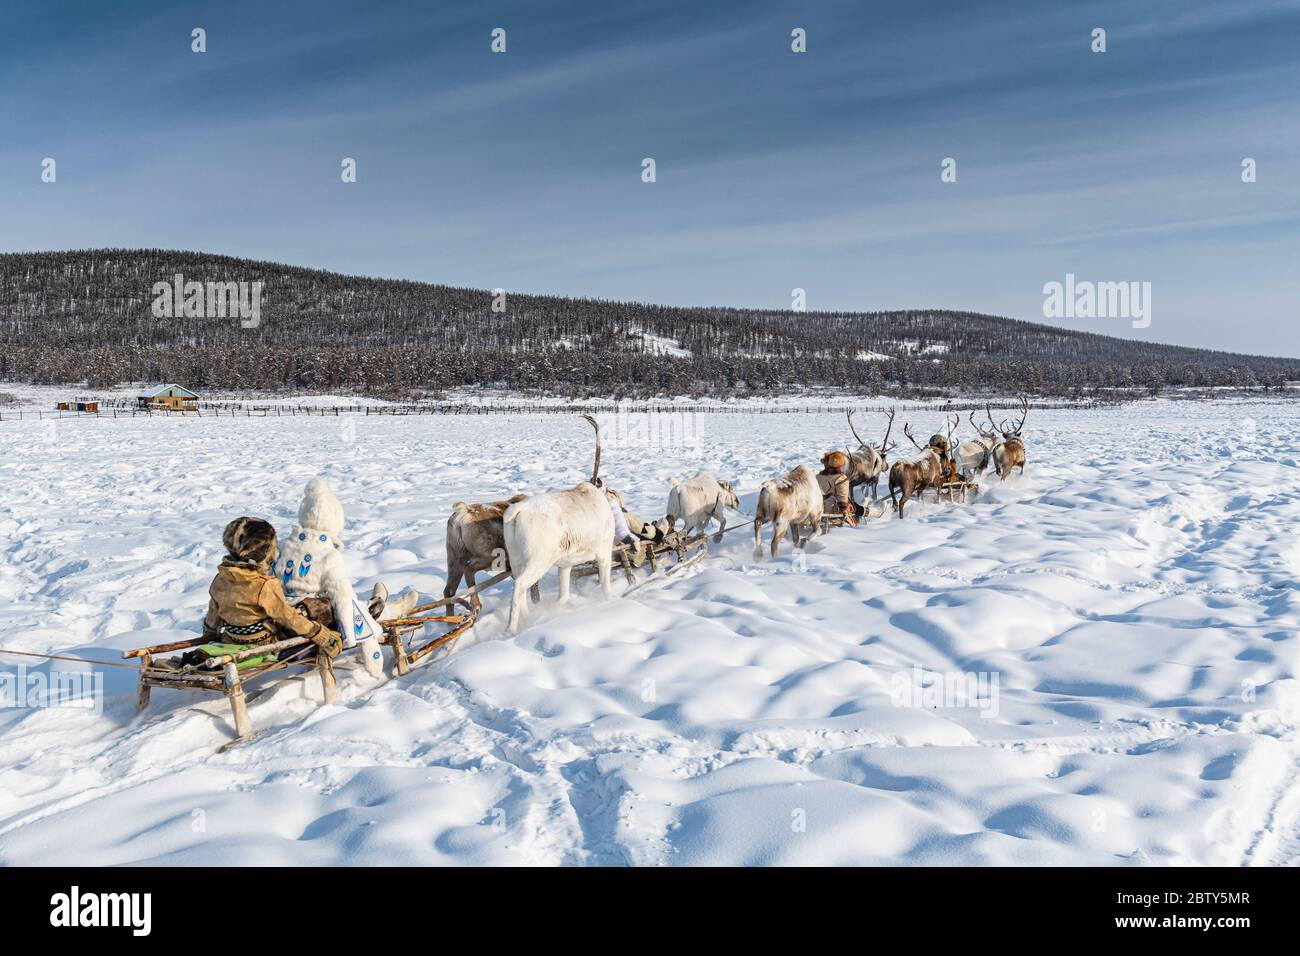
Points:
[[1134, 595]]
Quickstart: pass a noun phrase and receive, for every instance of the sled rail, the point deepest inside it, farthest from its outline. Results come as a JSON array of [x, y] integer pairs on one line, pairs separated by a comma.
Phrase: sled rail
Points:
[[275, 647], [165, 648], [405, 655]]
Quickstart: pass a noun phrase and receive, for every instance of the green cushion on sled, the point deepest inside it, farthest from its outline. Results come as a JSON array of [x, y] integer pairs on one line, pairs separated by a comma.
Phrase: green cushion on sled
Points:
[[216, 650]]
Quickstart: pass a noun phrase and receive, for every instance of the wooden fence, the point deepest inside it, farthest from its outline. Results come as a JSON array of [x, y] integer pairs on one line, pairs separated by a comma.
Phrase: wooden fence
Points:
[[242, 410]]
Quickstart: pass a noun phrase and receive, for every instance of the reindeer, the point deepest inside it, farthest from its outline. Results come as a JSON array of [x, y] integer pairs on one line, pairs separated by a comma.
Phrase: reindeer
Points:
[[476, 542], [558, 530], [947, 464], [1011, 451], [698, 501], [867, 464], [785, 503], [972, 457], [912, 477]]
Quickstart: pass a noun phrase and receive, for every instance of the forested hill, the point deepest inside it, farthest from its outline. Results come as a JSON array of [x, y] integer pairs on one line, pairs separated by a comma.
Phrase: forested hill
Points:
[[69, 317]]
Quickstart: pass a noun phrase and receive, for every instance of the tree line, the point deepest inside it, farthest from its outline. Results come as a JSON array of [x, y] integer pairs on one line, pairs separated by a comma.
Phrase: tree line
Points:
[[85, 316]]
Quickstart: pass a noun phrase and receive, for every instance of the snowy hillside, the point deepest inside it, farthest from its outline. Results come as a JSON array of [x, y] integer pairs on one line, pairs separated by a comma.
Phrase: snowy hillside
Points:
[[86, 316], [1134, 597]]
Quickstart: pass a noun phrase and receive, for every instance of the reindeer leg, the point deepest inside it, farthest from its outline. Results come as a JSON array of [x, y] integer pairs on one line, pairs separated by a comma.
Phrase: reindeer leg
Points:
[[517, 606], [453, 581], [564, 572], [604, 564], [524, 582], [779, 528], [474, 600], [758, 539]]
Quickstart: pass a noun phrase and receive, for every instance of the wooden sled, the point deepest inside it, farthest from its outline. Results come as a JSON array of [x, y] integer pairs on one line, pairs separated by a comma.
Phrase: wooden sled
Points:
[[405, 656], [657, 555], [959, 491], [866, 511], [223, 675]]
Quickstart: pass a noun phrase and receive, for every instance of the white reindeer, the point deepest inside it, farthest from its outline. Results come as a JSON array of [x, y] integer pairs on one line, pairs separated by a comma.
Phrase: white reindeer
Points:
[[868, 463], [558, 530], [786, 503], [973, 457], [699, 501]]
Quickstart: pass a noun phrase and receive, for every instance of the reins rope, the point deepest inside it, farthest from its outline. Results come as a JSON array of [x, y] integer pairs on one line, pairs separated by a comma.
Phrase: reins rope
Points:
[[68, 657]]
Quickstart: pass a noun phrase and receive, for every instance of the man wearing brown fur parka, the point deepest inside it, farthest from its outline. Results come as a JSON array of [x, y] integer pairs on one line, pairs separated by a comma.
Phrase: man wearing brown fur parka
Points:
[[246, 604]]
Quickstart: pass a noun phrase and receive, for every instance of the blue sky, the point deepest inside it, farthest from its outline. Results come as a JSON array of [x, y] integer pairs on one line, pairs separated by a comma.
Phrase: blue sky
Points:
[[776, 170]]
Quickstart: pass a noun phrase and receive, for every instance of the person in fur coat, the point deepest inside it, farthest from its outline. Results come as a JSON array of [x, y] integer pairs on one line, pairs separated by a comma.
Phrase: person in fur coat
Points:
[[310, 564], [246, 602]]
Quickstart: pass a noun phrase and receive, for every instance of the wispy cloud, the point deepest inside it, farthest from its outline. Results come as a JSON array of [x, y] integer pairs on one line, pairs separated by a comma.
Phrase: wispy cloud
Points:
[[775, 169]]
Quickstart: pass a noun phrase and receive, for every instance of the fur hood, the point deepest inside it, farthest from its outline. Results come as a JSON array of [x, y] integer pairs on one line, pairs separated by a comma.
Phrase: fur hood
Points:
[[250, 541]]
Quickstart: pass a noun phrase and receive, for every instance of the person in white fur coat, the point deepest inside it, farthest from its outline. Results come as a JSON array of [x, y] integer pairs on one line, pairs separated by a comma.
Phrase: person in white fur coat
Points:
[[310, 564]]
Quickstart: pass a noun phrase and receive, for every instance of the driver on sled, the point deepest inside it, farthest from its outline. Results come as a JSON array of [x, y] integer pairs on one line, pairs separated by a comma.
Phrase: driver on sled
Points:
[[247, 604], [267, 590], [834, 484]]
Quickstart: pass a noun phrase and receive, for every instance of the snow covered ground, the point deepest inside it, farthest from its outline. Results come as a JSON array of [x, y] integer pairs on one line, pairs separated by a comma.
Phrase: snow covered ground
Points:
[[1128, 610]]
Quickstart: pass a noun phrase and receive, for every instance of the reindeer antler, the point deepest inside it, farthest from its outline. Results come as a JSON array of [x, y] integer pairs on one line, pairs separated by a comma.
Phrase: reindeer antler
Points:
[[884, 443], [907, 430], [854, 430], [998, 426], [595, 468], [1024, 413], [956, 420]]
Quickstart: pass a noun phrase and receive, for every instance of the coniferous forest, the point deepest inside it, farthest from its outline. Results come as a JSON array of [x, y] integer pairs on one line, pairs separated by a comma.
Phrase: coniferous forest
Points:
[[85, 316]]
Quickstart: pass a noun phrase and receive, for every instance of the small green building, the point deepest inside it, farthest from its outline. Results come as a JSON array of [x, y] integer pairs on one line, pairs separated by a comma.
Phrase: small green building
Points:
[[169, 398]]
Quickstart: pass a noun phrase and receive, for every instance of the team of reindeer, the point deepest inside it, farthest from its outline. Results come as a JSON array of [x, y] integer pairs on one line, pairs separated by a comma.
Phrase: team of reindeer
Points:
[[529, 535]]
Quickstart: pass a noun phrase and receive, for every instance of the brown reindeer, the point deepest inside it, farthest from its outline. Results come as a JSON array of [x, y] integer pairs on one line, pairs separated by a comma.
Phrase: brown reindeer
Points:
[[475, 542], [1011, 452], [868, 463], [786, 503], [912, 477]]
